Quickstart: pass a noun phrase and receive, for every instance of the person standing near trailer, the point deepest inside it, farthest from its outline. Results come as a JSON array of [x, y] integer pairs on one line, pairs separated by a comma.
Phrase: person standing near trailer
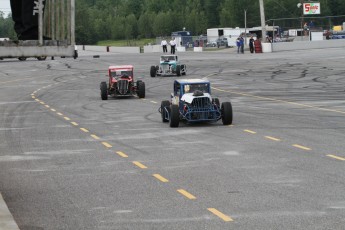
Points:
[[173, 46], [164, 44], [251, 44]]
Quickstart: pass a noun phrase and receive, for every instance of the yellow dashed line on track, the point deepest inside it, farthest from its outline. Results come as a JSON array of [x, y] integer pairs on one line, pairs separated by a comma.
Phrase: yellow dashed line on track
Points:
[[122, 154], [140, 165], [53, 110], [47, 106], [154, 102], [60, 114], [37, 100], [249, 131], [159, 177], [106, 144], [220, 215], [272, 138], [186, 194], [336, 157], [302, 147], [42, 103], [74, 123], [84, 130], [95, 137], [33, 97], [67, 118]]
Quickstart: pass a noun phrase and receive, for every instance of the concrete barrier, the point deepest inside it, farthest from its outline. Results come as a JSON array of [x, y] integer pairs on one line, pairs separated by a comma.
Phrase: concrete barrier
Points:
[[153, 49], [127, 50], [266, 47], [305, 45], [198, 49], [111, 49], [181, 49]]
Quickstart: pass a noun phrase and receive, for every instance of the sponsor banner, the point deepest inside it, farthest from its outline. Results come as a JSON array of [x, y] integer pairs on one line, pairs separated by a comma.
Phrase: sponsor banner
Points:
[[311, 8]]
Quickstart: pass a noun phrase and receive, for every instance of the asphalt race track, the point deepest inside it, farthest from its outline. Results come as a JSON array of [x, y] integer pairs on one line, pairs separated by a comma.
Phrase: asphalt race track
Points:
[[69, 160]]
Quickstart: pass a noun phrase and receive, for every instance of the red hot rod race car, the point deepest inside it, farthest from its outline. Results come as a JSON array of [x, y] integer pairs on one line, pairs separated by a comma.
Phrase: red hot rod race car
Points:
[[121, 83]]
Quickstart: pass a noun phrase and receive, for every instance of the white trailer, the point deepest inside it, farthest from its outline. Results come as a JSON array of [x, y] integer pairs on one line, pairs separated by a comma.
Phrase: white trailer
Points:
[[57, 23], [231, 34]]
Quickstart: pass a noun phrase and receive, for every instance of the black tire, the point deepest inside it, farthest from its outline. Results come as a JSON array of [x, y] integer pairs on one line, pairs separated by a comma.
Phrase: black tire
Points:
[[216, 101], [178, 70], [22, 58], [174, 116], [42, 58], [153, 71], [75, 56], [226, 113], [141, 89], [165, 105], [104, 90], [184, 69]]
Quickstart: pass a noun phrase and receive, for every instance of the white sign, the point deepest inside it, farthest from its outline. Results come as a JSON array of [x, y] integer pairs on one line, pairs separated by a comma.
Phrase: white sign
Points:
[[311, 8]]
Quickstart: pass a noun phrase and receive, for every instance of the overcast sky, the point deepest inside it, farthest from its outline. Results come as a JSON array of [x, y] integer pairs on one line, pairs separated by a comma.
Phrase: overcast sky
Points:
[[5, 6]]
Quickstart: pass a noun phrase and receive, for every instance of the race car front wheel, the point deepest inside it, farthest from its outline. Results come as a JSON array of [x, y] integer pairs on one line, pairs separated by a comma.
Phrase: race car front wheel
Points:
[[174, 116], [226, 113]]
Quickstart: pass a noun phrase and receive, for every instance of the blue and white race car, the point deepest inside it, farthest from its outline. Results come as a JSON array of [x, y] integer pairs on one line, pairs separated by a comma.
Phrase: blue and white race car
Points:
[[168, 65], [192, 102]]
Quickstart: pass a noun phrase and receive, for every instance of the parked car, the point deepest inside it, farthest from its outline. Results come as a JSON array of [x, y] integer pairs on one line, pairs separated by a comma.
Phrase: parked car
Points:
[[168, 64], [121, 83], [191, 102], [222, 42]]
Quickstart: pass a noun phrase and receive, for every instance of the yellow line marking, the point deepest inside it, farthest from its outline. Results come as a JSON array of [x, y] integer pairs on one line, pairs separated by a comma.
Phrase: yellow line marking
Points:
[[159, 177], [84, 130], [154, 102], [47, 106], [95, 137], [67, 118], [277, 100], [336, 157], [106, 144], [122, 154], [302, 147], [53, 110], [186, 194], [74, 123], [33, 97], [42, 103], [37, 100], [272, 138], [60, 114], [140, 165], [249, 131], [220, 215]]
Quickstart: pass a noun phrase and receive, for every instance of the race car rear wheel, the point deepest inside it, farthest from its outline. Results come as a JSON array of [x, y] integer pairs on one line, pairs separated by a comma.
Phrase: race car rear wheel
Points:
[[178, 70], [141, 89], [226, 113], [174, 116], [104, 90], [153, 71], [165, 105], [183, 69]]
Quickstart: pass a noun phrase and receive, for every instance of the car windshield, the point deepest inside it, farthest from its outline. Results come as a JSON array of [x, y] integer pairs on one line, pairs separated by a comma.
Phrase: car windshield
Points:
[[167, 58], [120, 73], [191, 88]]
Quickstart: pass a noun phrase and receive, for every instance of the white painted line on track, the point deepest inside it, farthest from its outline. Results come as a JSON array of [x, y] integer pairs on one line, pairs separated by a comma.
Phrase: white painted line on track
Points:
[[6, 219]]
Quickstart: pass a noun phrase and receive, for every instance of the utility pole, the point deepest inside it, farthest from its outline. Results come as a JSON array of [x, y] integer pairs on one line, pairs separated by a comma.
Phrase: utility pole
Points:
[[263, 26], [245, 26]]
